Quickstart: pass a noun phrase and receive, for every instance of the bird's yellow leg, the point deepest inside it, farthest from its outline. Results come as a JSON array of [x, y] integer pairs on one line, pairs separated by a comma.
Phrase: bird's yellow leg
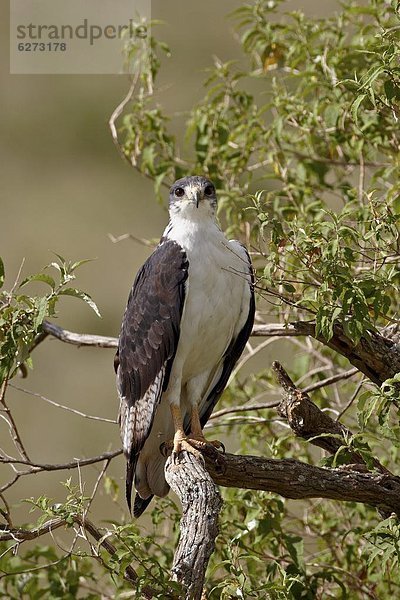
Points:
[[195, 425], [196, 432], [179, 434], [192, 443], [180, 440]]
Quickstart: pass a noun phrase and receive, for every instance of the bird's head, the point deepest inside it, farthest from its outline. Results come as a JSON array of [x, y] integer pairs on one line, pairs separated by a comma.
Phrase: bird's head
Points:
[[193, 197]]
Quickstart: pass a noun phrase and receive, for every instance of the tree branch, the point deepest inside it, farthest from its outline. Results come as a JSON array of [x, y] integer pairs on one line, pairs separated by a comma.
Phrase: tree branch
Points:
[[376, 355], [11, 422], [101, 341], [118, 111], [310, 423], [79, 339], [201, 504], [74, 464], [330, 380], [297, 480]]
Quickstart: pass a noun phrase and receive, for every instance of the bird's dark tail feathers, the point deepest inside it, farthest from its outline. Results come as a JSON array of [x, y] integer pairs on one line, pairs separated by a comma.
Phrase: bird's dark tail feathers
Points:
[[140, 505], [130, 472]]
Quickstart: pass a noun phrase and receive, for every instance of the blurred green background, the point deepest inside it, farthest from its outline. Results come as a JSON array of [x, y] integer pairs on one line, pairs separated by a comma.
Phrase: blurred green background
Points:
[[64, 188]]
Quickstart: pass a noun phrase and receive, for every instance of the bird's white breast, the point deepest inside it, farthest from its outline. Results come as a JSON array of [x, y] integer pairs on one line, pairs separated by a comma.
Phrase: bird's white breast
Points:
[[217, 295]]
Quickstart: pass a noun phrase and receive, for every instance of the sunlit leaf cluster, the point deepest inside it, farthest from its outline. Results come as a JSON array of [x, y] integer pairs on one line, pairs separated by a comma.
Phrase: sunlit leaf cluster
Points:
[[22, 315]]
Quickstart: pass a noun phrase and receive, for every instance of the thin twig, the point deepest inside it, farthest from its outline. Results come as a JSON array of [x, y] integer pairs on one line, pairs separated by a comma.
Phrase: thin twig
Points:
[[14, 287], [13, 426], [331, 380], [68, 408], [129, 236], [361, 178], [250, 354], [7, 512], [119, 110], [96, 486], [89, 503], [12, 481], [350, 402], [240, 409], [74, 464]]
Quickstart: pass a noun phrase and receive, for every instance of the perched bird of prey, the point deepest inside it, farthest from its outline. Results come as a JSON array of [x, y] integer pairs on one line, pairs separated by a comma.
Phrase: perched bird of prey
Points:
[[189, 315]]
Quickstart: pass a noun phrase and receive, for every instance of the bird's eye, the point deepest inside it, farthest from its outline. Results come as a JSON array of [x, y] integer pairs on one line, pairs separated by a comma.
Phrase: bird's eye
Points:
[[179, 192], [209, 190]]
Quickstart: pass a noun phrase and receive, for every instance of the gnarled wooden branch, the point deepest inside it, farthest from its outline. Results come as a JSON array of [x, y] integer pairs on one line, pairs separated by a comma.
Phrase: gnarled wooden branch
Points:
[[201, 504], [376, 355], [292, 478], [309, 422]]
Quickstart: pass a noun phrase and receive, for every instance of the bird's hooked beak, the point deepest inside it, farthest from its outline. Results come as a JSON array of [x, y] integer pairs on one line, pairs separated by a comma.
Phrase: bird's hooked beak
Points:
[[195, 194]]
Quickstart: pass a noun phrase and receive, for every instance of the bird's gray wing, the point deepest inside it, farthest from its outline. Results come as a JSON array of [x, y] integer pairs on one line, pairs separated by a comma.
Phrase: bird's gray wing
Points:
[[147, 345]]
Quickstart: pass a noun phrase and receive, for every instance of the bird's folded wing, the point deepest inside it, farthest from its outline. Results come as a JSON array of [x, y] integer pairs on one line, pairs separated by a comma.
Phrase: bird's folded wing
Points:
[[148, 341]]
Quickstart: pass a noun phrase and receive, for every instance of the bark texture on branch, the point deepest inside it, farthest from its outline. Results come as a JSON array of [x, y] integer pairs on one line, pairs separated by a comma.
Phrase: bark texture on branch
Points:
[[376, 355], [79, 339], [294, 479], [308, 421], [201, 504]]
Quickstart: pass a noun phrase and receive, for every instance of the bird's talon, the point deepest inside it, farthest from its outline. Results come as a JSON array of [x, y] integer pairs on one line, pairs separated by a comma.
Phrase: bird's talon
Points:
[[165, 449], [222, 446], [217, 445]]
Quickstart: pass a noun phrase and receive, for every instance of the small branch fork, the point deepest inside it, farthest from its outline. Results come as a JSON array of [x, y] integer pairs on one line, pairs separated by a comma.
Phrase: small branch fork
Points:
[[312, 424], [35, 467]]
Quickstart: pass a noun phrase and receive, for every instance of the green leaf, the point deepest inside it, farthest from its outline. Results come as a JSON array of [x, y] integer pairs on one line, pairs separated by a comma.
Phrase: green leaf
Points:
[[79, 263], [391, 90], [41, 312], [40, 277], [82, 296], [289, 288], [61, 258], [295, 546], [396, 206], [355, 107], [366, 406]]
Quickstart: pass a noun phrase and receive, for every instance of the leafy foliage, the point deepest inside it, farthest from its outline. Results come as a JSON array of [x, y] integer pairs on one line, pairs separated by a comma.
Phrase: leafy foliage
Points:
[[22, 316]]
